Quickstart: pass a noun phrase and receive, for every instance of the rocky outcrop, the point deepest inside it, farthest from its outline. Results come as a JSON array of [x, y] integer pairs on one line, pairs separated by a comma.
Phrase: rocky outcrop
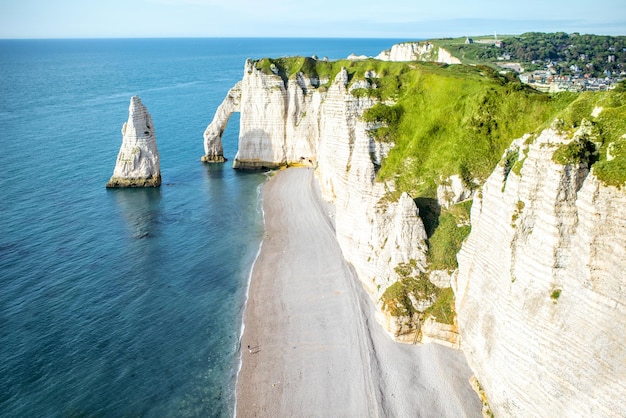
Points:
[[541, 289], [444, 334], [417, 51], [278, 124], [137, 163], [294, 122], [407, 51]]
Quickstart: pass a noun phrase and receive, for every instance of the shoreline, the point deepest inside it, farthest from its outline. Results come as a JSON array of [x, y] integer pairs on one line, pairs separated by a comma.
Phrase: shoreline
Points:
[[243, 325], [247, 294], [315, 348]]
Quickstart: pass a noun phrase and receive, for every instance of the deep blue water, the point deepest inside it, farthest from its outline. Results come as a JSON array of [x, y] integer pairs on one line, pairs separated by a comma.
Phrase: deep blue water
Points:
[[125, 302]]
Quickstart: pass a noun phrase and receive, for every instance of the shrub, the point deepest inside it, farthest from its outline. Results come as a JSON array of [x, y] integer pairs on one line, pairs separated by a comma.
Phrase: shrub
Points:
[[382, 113], [613, 172], [578, 151], [446, 240]]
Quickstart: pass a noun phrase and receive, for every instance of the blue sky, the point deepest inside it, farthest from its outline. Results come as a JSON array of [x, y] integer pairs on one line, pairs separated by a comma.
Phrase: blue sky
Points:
[[408, 19]]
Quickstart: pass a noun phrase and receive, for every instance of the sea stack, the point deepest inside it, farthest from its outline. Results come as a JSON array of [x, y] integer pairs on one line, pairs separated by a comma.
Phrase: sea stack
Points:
[[138, 160]]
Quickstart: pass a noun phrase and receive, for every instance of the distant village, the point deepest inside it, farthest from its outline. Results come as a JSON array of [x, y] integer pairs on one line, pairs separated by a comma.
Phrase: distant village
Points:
[[550, 80]]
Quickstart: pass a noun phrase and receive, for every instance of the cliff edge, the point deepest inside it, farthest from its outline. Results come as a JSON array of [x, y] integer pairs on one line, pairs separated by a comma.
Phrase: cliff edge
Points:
[[418, 51]]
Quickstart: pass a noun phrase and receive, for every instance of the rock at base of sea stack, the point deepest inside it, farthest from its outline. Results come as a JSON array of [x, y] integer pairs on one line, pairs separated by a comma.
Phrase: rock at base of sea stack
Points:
[[213, 159], [138, 163]]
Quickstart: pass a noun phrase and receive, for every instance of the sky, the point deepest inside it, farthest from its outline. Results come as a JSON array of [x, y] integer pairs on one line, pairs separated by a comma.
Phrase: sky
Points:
[[401, 19]]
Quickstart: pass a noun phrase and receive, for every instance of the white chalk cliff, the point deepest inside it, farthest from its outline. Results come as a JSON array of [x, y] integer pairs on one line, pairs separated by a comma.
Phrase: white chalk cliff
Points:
[[278, 123], [541, 283], [417, 51], [541, 289], [138, 163], [298, 123]]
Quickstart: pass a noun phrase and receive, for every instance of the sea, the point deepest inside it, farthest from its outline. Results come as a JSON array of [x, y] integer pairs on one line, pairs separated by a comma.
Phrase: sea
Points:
[[126, 302]]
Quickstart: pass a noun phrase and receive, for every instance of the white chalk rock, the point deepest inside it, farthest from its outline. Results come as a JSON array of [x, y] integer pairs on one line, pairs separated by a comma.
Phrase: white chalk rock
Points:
[[444, 334], [452, 191], [541, 289], [440, 278], [138, 163], [416, 51], [406, 51], [445, 57]]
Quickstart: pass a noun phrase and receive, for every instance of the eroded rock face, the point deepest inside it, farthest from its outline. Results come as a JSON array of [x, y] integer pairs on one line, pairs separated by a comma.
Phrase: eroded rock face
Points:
[[137, 162], [445, 57], [375, 233], [541, 289], [452, 191]]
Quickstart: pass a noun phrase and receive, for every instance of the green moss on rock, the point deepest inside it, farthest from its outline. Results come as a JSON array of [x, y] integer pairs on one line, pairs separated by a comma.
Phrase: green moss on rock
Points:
[[119, 182], [443, 307]]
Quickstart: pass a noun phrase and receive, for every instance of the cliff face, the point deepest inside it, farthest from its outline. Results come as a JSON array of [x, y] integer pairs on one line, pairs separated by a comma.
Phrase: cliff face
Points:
[[415, 51], [138, 163], [297, 122], [375, 235], [541, 288]]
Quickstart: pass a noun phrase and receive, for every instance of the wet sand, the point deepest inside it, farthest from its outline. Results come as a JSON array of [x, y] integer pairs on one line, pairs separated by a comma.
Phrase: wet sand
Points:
[[315, 347]]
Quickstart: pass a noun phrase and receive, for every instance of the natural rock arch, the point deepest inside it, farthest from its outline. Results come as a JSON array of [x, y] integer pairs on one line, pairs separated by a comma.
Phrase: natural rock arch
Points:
[[213, 149]]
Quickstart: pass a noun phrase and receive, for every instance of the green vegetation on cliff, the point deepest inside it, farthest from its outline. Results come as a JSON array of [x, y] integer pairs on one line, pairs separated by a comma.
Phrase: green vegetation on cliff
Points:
[[387, 76], [451, 230], [288, 67], [602, 143], [459, 120], [416, 285]]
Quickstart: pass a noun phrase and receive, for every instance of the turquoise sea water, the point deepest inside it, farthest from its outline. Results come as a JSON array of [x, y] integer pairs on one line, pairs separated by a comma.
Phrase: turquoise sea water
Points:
[[125, 302]]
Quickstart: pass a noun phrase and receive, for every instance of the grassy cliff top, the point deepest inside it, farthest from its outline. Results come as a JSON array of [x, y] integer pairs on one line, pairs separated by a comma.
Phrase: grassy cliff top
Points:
[[605, 114]]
